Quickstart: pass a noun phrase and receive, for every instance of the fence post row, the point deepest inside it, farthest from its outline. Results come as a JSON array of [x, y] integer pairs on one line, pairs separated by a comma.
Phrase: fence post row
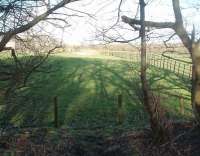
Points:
[[165, 63]]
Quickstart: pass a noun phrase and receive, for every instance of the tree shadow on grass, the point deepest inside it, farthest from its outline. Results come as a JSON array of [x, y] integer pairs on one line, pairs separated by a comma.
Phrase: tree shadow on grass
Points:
[[86, 91], [174, 80], [100, 110], [170, 86]]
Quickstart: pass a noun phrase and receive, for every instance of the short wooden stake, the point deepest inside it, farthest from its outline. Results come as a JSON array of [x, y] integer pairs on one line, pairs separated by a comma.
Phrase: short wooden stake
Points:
[[178, 68], [175, 66], [183, 70], [120, 113], [181, 101], [56, 112]]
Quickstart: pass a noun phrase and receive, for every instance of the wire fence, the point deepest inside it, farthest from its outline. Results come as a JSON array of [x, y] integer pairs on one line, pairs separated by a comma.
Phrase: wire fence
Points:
[[181, 68]]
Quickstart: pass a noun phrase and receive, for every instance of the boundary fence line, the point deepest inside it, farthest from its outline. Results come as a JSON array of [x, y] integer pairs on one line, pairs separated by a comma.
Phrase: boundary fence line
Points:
[[181, 68]]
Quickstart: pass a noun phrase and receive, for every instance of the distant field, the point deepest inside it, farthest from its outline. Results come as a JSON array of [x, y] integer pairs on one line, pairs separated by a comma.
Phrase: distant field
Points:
[[87, 88]]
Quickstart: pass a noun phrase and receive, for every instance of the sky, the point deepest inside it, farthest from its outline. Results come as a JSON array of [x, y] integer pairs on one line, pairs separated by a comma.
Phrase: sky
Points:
[[104, 14]]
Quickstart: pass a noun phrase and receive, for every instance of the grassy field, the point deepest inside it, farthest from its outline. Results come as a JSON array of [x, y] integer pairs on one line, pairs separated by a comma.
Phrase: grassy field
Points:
[[87, 88]]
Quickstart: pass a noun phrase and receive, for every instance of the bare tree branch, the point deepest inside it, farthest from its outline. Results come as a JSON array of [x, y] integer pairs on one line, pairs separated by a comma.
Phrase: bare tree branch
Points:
[[8, 35], [165, 42], [177, 26], [160, 25], [36, 66]]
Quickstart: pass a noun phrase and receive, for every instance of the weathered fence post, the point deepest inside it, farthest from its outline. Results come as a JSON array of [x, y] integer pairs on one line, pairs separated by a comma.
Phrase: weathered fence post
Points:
[[168, 63], [157, 64], [181, 102], [120, 113], [178, 68], [56, 112], [183, 70], [170, 67], [175, 67], [190, 72], [160, 61], [163, 63], [154, 61]]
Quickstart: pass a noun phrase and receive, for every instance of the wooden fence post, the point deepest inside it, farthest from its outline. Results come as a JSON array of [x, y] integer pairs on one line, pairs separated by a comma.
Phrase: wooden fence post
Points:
[[160, 61], [170, 67], [157, 64], [154, 63], [175, 67], [56, 112], [167, 63], [120, 113], [190, 72], [183, 70], [163, 63], [178, 68], [181, 102]]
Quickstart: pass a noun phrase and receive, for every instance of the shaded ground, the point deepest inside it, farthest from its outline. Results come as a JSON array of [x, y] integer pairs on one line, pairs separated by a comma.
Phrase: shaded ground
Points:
[[87, 90], [185, 141]]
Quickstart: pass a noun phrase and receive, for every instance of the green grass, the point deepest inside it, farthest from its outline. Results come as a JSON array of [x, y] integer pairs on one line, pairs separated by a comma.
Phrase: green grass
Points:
[[169, 86], [87, 90]]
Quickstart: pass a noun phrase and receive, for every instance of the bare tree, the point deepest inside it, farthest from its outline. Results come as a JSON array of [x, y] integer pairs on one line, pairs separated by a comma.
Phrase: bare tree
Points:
[[16, 70], [17, 19], [190, 42], [151, 103], [18, 16]]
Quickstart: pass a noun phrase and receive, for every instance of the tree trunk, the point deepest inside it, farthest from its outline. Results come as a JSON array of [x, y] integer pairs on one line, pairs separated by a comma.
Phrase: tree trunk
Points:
[[195, 93], [188, 42], [151, 103]]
